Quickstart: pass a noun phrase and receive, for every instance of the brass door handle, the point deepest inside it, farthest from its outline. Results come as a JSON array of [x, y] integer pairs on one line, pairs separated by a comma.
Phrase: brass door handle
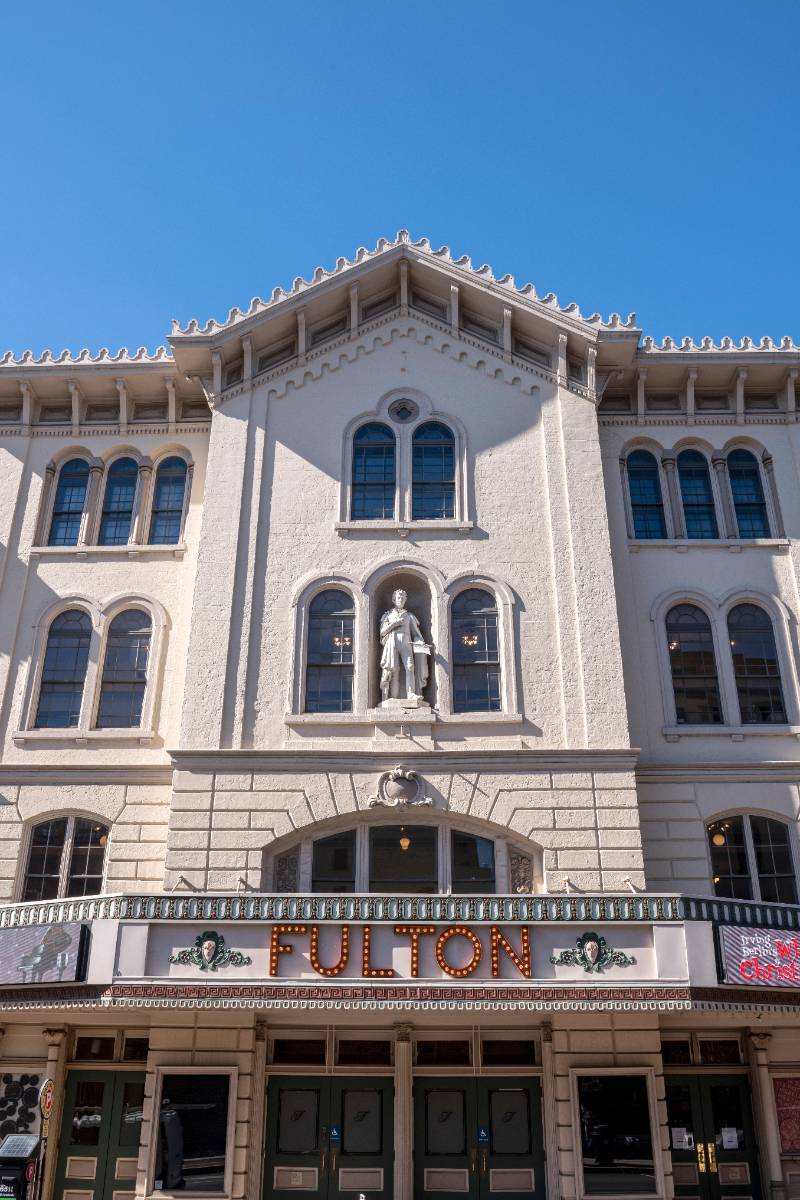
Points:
[[323, 1160], [484, 1159], [712, 1158], [333, 1161], [472, 1157], [701, 1158]]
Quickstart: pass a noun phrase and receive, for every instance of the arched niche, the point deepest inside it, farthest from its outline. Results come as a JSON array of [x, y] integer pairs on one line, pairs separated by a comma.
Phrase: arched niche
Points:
[[421, 602]]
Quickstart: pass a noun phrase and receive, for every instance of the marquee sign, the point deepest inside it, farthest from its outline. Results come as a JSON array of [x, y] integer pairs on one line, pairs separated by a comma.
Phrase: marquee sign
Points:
[[760, 957], [43, 954]]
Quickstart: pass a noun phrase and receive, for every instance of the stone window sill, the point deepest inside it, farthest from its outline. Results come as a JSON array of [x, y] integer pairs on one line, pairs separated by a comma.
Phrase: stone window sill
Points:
[[683, 545], [402, 528], [80, 737], [129, 551], [376, 716], [737, 733]]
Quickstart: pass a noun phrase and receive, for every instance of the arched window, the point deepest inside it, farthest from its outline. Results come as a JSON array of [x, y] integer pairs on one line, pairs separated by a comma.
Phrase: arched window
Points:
[[751, 859], [472, 864], [644, 487], [124, 671], [329, 656], [755, 665], [748, 495], [66, 857], [169, 493], [433, 473], [693, 666], [333, 866], [64, 671], [70, 497], [373, 485], [698, 499], [118, 498], [476, 655]]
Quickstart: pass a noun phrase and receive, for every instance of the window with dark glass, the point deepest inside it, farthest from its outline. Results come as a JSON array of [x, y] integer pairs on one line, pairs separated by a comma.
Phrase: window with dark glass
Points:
[[476, 655], [329, 657], [373, 483], [755, 665], [334, 863], [433, 473], [64, 671], [699, 513], [472, 864], [748, 495], [193, 1117], [66, 857], [644, 488], [169, 492], [693, 666], [403, 858], [70, 497], [616, 1138], [751, 859], [124, 678], [118, 499]]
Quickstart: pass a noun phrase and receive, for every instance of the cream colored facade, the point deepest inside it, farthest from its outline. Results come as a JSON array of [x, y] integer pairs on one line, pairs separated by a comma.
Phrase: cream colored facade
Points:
[[584, 778]]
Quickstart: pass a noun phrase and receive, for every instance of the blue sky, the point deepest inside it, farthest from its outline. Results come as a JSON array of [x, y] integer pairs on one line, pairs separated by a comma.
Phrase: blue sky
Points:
[[173, 160]]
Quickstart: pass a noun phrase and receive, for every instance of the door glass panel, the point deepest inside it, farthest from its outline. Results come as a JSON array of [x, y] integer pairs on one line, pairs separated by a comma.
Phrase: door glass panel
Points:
[[679, 1116], [192, 1146], [298, 1121], [131, 1123], [615, 1135], [88, 1112], [720, 1051], [362, 1112], [510, 1121], [726, 1114], [445, 1123]]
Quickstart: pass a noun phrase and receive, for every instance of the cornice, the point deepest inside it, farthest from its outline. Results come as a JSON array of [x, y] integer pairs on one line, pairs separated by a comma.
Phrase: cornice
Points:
[[84, 358], [28, 773], [622, 759], [726, 345], [698, 772]]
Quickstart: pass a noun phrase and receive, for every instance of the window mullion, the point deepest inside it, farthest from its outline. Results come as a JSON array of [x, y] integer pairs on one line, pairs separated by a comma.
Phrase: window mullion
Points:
[[445, 861], [755, 882], [362, 871], [66, 858]]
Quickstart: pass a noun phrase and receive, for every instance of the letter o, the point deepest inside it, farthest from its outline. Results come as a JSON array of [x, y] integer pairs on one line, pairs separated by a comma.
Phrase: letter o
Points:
[[477, 950]]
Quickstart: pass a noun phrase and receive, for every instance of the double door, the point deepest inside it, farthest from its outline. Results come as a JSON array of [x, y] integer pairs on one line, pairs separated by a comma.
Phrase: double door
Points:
[[478, 1138], [330, 1137], [712, 1140], [100, 1130]]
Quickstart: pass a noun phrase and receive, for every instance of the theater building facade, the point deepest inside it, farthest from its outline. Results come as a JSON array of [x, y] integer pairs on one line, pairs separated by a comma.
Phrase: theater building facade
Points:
[[399, 711]]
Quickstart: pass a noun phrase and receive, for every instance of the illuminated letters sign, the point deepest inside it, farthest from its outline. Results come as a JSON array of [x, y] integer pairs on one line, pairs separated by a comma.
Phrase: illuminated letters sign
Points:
[[760, 957]]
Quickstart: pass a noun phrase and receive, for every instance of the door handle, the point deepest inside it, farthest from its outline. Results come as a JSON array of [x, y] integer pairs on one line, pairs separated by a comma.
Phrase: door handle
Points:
[[323, 1160], [484, 1158], [333, 1161], [472, 1157], [701, 1157], [712, 1158]]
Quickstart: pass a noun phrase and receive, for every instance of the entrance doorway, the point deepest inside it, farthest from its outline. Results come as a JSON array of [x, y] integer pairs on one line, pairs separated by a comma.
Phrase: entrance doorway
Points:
[[100, 1130], [478, 1138], [711, 1137], [332, 1137]]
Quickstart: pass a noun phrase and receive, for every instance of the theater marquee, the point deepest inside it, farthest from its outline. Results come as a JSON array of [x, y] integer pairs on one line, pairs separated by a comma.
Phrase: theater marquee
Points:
[[760, 957]]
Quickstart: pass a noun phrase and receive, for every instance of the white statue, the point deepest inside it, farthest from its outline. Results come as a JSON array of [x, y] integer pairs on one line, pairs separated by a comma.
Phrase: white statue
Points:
[[404, 649]]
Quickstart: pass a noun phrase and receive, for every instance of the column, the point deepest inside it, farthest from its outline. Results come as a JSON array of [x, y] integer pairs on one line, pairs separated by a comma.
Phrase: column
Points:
[[626, 502], [27, 402], [92, 502], [45, 505], [172, 407], [454, 318], [301, 336], [247, 359], [641, 379], [216, 372], [258, 1104], [769, 471], [720, 465], [507, 334], [690, 378], [591, 369], [75, 397], [562, 358], [765, 1114], [56, 1040], [791, 394], [353, 310], [549, 1111], [403, 287], [403, 1115], [741, 375], [138, 532], [673, 494], [122, 392]]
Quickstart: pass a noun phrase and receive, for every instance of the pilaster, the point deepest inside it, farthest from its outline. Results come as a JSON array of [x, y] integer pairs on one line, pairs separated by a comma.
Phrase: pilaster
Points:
[[56, 1040], [766, 1114], [403, 1115]]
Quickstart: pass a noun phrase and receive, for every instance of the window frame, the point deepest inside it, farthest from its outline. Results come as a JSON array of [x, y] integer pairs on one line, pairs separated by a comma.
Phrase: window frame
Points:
[[750, 853], [655, 1132], [71, 816], [147, 514], [486, 712], [666, 507], [505, 605], [713, 503], [766, 492], [731, 608], [50, 507], [101, 666], [162, 1069]]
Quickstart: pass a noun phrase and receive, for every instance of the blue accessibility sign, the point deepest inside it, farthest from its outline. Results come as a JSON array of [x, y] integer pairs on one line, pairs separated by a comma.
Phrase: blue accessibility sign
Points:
[[336, 1133], [483, 1135]]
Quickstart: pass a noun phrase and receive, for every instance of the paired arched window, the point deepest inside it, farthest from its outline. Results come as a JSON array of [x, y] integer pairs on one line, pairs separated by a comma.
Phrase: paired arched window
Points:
[[123, 678], [66, 857], [693, 665], [433, 485], [330, 652], [403, 859], [118, 500], [755, 666], [372, 496], [752, 859], [68, 503], [169, 497], [644, 488], [748, 495], [699, 512], [476, 652]]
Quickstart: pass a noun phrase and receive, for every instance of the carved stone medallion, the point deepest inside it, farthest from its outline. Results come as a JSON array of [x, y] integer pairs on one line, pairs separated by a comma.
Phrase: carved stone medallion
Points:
[[400, 789]]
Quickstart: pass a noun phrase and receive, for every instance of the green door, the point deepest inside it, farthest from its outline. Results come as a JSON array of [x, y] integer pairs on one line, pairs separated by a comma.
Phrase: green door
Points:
[[714, 1152], [100, 1128], [330, 1136], [478, 1138]]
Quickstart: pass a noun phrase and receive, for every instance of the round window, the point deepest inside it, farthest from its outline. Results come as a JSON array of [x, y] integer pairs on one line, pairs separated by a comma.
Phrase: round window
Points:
[[403, 411]]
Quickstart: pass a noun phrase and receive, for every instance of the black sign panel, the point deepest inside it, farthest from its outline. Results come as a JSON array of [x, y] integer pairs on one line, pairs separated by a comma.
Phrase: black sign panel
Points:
[[43, 954]]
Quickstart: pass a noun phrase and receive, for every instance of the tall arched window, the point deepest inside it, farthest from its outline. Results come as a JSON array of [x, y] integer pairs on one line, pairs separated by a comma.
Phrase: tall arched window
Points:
[[118, 499], [373, 483], [433, 473], [124, 671], [698, 499], [169, 493], [66, 857], [751, 859], [70, 497], [329, 656], [748, 495], [64, 671], [644, 488], [693, 666], [476, 654], [755, 665]]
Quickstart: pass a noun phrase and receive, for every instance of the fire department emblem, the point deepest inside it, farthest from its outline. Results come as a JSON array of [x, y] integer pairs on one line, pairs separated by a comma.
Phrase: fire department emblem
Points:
[[593, 953], [209, 953]]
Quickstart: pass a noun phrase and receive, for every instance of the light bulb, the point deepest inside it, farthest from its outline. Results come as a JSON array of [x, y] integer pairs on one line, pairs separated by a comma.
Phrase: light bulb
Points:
[[718, 839], [405, 842]]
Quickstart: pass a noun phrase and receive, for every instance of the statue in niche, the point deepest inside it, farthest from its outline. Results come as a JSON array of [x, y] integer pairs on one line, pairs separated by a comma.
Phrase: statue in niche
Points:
[[405, 652]]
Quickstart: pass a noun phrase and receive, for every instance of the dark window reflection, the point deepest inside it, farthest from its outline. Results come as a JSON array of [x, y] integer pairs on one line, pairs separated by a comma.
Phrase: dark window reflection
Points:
[[87, 1114], [755, 664], [616, 1140], [329, 665], [372, 496], [647, 507], [476, 654], [433, 472], [334, 863], [473, 863], [693, 666], [403, 859], [192, 1133]]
